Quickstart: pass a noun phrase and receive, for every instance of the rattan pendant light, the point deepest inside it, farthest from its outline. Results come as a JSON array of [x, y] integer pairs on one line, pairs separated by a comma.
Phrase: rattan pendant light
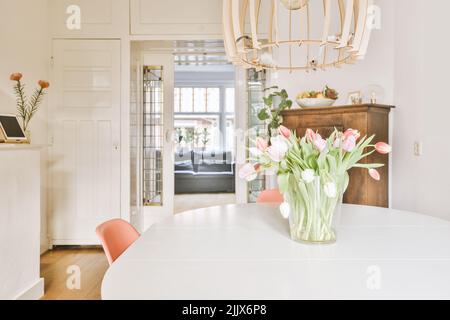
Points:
[[311, 35]]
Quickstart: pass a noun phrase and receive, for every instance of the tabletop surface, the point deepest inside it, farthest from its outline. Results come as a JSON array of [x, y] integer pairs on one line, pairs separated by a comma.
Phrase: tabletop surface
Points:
[[240, 252]]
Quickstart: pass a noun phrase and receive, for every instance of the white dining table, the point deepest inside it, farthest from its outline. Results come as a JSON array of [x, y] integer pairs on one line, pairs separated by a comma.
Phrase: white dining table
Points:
[[242, 252]]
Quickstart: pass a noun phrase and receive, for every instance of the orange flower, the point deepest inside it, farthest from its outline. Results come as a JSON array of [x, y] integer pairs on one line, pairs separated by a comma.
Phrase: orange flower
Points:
[[16, 76], [44, 84]]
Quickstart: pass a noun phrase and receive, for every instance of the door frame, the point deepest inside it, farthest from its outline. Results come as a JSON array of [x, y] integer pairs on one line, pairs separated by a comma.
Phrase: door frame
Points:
[[241, 132]]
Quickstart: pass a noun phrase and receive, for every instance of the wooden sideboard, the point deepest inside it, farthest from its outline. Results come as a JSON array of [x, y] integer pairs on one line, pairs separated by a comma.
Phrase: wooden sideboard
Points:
[[369, 119]]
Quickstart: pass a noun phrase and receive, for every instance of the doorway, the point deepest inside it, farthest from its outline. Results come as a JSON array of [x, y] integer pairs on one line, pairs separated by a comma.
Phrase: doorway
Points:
[[204, 126], [183, 144]]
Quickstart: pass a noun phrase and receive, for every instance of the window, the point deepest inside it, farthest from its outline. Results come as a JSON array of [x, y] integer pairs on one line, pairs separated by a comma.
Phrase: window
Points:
[[213, 100], [204, 118], [256, 82], [153, 84], [229, 100], [200, 100], [197, 132], [187, 101], [176, 100]]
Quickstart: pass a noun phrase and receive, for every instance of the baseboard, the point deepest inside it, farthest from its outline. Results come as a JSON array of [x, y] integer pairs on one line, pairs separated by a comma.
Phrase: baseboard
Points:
[[45, 245], [76, 242], [44, 248], [34, 292]]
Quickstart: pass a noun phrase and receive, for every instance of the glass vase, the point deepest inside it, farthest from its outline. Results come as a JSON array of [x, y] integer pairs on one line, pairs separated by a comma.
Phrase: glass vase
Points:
[[28, 136], [315, 209]]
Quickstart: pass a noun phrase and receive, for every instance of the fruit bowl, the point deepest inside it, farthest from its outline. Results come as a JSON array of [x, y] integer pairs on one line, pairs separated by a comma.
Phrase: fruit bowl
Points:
[[315, 102]]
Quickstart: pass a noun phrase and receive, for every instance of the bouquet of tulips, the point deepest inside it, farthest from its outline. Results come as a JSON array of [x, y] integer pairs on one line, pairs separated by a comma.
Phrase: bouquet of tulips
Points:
[[312, 175]]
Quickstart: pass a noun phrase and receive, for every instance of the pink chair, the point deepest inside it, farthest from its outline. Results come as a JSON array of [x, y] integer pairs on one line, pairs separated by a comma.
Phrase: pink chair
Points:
[[270, 196], [116, 236]]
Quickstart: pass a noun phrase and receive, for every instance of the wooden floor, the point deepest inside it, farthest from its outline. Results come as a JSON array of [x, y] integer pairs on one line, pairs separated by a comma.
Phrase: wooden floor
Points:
[[93, 263], [54, 266]]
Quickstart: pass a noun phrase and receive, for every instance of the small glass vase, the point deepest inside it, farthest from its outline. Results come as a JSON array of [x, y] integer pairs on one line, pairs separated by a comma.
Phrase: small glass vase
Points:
[[28, 136], [315, 210]]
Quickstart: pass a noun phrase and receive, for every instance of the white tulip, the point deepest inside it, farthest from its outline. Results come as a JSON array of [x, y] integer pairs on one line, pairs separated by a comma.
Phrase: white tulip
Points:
[[277, 151], [255, 152], [308, 175], [330, 190], [285, 210], [248, 172]]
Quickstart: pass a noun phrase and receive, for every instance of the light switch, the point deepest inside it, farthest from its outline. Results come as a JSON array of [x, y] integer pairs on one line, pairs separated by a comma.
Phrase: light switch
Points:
[[418, 149]]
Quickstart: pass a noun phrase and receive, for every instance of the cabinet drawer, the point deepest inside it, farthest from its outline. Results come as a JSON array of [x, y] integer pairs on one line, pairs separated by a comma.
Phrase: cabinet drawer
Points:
[[324, 131], [314, 121], [324, 124]]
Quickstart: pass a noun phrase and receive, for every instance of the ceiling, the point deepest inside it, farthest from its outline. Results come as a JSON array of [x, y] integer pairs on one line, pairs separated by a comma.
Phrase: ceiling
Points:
[[200, 53]]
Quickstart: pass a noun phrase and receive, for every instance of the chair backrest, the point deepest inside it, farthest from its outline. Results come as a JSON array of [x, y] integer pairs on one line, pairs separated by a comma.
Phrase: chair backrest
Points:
[[270, 196], [116, 236]]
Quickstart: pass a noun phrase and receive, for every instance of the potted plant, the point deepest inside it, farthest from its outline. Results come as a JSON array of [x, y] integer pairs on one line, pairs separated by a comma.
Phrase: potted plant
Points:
[[312, 175], [26, 109], [272, 115]]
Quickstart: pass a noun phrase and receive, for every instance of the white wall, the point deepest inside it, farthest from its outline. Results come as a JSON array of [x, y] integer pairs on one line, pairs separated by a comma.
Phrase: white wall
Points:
[[421, 86], [409, 58], [376, 69], [24, 47]]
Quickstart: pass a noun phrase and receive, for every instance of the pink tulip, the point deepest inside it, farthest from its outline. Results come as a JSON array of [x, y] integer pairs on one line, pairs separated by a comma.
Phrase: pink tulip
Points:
[[374, 174], [352, 133], [310, 135], [261, 144], [349, 144], [383, 148], [285, 132], [320, 143], [277, 151], [337, 143], [248, 172]]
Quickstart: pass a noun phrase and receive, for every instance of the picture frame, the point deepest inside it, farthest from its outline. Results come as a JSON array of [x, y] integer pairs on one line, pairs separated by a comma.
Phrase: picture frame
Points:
[[354, 97]]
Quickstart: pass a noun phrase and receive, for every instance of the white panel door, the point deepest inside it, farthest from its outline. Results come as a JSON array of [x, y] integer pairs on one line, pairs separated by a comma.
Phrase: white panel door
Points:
[[85, 129]]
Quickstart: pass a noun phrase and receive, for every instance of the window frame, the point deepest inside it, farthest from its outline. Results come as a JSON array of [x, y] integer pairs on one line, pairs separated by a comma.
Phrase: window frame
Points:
[[222, 114]]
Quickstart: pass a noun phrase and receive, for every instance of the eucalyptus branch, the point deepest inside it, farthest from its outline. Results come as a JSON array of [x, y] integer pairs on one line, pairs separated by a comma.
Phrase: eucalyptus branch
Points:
[[26, 109], [33, 106], [21, 98]]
